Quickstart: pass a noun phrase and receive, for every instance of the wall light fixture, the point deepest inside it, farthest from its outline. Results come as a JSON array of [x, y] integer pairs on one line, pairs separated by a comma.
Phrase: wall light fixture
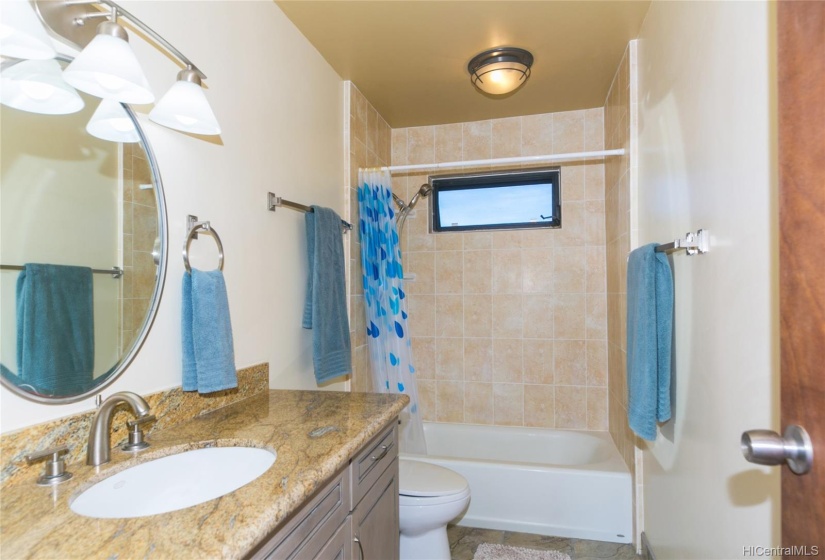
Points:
[[106, 67]]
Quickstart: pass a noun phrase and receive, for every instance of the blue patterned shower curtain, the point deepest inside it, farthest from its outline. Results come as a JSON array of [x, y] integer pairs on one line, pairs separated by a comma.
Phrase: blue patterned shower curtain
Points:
[[386, 304]]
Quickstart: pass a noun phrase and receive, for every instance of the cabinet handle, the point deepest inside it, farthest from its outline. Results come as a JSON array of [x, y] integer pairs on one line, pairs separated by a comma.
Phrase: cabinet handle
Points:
[[360, 548], [383, 454]]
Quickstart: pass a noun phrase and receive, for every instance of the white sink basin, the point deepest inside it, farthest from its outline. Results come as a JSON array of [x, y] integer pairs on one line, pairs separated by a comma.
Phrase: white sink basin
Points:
[[174, 482]]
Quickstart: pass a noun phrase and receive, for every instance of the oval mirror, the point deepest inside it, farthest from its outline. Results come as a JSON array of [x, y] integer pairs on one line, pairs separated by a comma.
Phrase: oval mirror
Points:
[[82, 241]]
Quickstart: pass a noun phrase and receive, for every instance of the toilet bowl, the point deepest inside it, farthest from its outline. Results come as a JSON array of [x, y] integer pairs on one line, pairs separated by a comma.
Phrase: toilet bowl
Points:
[[430, 496]]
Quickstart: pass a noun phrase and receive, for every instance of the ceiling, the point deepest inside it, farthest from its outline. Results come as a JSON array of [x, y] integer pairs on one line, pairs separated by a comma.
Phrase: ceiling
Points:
[[409, 57]]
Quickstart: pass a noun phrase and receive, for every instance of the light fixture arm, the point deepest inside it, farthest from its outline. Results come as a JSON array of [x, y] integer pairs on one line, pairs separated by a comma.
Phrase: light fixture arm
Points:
[[48, 10]]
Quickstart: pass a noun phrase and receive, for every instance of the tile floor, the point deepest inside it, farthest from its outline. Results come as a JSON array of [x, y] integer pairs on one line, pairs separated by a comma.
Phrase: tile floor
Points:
[[465, 540]]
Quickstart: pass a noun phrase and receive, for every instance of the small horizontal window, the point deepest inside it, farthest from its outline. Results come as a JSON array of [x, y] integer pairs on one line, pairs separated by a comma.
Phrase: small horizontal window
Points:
[[499, 200]]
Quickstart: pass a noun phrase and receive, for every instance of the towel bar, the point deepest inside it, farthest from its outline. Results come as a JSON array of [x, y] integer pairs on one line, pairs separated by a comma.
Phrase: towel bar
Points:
[[692, 243], [273, 202], [192, 227]]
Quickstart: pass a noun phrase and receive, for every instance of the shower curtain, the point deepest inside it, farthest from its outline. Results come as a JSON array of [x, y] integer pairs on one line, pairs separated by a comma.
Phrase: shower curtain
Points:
[[385, 303]]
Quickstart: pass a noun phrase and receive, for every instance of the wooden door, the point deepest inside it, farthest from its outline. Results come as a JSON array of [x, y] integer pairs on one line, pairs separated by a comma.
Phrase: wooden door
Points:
[[801, 73]]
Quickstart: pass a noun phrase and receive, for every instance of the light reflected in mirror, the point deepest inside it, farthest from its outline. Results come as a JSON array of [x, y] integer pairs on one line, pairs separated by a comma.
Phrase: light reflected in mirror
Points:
[[79, 218]]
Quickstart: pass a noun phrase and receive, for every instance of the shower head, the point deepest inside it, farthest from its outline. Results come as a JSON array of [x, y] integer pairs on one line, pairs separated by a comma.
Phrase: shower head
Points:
[[424, 191]]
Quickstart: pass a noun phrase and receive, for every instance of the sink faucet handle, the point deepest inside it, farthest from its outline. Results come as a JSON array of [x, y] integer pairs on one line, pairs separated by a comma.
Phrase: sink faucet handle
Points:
[[136, 441], [55, 472]]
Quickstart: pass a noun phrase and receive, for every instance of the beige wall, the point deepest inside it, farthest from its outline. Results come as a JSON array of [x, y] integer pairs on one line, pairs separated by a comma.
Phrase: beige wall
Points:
[[707, 160], [281, 109], [368, 139], [510, 327], [621, 224]]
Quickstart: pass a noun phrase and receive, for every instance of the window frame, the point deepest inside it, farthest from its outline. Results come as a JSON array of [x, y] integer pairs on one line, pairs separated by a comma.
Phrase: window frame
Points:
[[480, 181]]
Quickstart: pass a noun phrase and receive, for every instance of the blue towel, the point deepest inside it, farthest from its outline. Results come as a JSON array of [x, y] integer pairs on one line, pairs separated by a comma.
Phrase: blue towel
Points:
[[208, 350], [325, 308], [649, 334], [55, 329]]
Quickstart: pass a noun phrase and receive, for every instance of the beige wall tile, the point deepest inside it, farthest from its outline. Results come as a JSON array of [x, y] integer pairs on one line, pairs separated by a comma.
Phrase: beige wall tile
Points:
[[478, 315], [508, 318], [594, 129], [478, 359], [449, 358], [450, 396], [421, 309], [507, 277], [572, 182], [539, 406], [449, 272], [423, 357], [571, 407], [537, 267], [420, 145], [594, 215], [449, 316], [596, 269], [417, 234], [538, 361], [537, 238], [596, 321], [539, 310], [478, 240], [508, 404], [507, 137], [569, 270], [427, 400], [506, 239], [478, 402], [507, 360], [537, 135], [423, 266], [477, 140], [594, 181], [573, 225], [570, 362], [448, 142], [399, 146], [597, 408], [569, 317], [452, 241], [478, 272], [568, 132], [597, 363]]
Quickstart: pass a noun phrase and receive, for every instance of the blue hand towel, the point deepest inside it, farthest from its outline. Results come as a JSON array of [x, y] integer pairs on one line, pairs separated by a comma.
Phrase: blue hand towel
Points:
[[208, 350], [325, 308], [55, 328], [649, 334]]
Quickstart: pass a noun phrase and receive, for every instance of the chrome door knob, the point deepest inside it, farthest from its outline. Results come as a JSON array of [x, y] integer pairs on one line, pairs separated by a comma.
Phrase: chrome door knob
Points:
[[766, 447]]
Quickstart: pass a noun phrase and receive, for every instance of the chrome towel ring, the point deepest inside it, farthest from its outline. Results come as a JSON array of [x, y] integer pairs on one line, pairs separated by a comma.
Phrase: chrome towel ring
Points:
[[194, 227]]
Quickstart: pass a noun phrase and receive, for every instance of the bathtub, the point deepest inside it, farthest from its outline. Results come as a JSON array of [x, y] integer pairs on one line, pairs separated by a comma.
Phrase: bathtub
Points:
[[531, 480]]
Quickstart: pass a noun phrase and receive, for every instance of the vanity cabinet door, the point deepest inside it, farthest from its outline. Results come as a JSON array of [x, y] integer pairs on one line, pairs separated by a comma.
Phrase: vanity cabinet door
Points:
[[375, 520], [339, 547]]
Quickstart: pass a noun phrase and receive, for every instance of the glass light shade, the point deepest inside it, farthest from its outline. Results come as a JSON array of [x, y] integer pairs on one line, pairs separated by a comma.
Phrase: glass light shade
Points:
[[500, 77], [108, 68], [111, 122], [21, 33], [184, 107], [38, 87]]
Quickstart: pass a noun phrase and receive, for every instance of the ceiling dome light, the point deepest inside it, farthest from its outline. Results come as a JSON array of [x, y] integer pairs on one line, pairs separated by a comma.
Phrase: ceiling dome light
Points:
[[36, 86], [111, 122], [501, 70], [185, 108], [108, 68], [21, 33]]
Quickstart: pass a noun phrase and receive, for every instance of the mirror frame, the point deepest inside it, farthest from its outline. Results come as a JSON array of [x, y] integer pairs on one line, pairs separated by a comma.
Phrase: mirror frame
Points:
[[160, 278]]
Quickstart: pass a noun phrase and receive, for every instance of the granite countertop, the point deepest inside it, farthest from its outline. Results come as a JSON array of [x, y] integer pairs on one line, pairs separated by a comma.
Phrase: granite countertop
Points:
[[314, 433]]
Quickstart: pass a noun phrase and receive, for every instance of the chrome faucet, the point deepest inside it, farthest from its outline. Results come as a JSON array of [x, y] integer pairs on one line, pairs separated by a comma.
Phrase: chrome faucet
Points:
[[99, 450]]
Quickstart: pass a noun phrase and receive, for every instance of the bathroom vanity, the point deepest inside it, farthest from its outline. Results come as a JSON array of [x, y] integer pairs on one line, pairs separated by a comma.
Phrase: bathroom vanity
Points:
[[331, 493]]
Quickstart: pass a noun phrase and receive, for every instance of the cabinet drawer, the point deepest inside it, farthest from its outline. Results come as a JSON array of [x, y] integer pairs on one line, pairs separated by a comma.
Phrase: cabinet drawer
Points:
[[368, 466], [314, 523]]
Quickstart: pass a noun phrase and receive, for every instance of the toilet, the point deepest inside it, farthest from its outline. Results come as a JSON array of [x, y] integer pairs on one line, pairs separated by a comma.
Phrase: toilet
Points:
[[430, 496]]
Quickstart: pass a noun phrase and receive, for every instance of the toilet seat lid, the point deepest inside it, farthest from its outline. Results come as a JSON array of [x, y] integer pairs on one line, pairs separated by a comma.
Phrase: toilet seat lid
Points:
[[417, 478]]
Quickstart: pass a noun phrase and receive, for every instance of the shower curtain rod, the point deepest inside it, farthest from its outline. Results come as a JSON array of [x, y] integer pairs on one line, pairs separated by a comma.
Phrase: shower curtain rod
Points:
[[505, 161]]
